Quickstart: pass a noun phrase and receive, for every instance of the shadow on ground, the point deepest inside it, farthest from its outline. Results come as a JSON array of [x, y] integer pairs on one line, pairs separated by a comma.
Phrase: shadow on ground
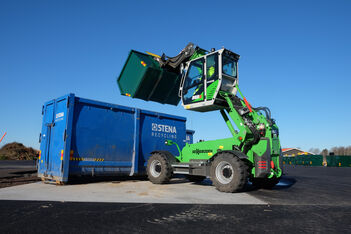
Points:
[[285, 182]]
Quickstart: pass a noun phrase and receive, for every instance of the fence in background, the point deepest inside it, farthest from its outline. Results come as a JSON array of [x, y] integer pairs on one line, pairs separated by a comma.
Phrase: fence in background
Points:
[[318, 160]]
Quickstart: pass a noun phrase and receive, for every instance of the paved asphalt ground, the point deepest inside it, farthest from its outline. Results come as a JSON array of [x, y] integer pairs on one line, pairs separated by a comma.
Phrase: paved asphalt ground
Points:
[[308, 199]]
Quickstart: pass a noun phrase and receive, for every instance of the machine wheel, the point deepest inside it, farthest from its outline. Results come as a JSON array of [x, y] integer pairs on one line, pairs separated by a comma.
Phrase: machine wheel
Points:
[[228, 173], [195, 179], [265, 183], [159, 170]]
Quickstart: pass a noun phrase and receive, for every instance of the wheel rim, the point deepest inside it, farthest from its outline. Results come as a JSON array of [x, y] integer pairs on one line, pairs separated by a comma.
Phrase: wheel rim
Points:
[[224, 172], [155, 168]]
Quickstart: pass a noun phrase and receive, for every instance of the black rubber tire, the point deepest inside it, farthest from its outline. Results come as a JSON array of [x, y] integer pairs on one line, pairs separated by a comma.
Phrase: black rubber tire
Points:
[[163, 168], [195, 179], [237, 173], [265, 183]]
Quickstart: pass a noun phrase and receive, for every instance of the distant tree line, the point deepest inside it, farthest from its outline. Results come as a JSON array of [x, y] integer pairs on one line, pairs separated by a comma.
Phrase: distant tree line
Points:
[[337, 150]]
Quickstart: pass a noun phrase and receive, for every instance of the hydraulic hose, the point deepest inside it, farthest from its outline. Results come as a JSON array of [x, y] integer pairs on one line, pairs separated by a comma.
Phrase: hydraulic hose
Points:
[[267, 112]]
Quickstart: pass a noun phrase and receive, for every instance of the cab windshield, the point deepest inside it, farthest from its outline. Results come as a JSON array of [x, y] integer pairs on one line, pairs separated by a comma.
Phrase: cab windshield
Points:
[[229, 66]]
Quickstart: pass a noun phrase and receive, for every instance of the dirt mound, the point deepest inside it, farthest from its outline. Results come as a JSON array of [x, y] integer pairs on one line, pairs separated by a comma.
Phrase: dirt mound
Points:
[[17, 151]]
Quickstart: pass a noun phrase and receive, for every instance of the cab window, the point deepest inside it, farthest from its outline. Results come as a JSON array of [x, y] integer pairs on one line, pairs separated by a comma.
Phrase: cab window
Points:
[[211, 67], [194, 82], [229, 66]]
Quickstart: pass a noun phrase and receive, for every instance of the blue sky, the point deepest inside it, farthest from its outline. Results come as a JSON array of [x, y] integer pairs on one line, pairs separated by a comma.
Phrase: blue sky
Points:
[[295, 59]]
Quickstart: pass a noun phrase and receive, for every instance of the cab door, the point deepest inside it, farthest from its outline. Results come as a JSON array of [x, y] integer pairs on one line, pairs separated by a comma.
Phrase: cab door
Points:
[[194, 83]]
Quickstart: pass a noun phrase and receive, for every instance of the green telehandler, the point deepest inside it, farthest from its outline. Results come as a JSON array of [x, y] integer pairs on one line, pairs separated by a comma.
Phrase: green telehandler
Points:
[[207, 81]]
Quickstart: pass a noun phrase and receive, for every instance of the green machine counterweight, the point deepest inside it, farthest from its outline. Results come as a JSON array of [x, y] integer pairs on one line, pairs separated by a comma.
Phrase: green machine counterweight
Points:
[[207, 81]]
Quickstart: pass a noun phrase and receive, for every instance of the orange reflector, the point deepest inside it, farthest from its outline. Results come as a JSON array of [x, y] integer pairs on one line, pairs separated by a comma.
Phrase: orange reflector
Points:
[[61, 154], [240, 138], [39, 154], [272, 164], [127, 94]]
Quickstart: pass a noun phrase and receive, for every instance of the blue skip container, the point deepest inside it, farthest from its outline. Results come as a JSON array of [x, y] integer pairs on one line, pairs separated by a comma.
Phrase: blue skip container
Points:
[[82, 137]]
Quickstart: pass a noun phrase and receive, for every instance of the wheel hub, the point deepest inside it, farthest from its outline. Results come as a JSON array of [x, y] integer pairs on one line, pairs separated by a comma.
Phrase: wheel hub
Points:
[[224, 172], [227, 172], [155, 168]]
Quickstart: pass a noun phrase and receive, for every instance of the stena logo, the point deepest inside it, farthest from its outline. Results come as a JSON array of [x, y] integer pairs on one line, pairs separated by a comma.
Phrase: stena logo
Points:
[[59, 115], [163, 128]]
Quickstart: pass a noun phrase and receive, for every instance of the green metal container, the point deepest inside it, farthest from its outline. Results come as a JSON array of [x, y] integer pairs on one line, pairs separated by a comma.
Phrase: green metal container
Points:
[[346, 161], [298, 160], [317, 160], [339, 161], [143, 78], [332, 161], [307, 160], [289, 160]]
